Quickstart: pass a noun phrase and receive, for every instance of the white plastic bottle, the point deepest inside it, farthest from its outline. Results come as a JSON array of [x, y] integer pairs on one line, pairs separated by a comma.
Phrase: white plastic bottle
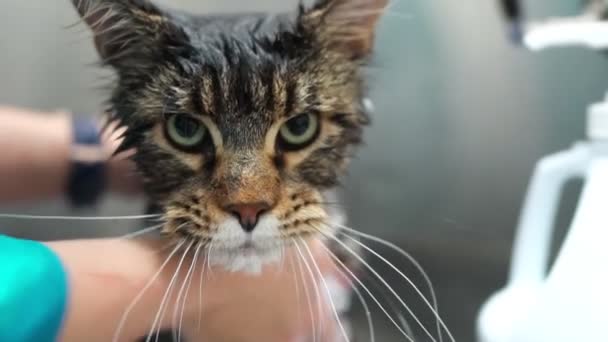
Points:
[[568, 302]]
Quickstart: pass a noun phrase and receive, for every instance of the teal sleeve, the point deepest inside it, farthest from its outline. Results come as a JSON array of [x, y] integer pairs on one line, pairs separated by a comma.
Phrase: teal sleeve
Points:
[[33, 292]]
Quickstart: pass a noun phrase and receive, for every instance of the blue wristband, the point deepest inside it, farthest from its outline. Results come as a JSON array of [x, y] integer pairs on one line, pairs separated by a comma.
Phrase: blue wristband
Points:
[[33, 292], [87, 179]]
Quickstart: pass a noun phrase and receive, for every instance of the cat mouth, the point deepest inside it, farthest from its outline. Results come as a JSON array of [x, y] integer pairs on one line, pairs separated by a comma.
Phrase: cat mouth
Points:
[[248, 256], [250, 242], [250, 246]]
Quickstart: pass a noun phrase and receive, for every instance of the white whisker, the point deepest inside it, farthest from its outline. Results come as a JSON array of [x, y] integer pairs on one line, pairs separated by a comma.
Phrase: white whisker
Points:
[[434, 307], [282, 266], [292, 266], [331, 301], [383, 281], [279, 270], [141, 232], [307, 294], [77, 218], [209, 258], [333, 306], [189, 277], [142, 292], [200, 295], [319, 298], [404, 324], [160, 249], [368, 313], [160, 313], [336, 259]]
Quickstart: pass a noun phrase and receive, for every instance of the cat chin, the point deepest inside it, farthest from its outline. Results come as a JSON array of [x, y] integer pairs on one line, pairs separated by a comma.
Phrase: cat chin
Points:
[[237, 251], [247, 261]]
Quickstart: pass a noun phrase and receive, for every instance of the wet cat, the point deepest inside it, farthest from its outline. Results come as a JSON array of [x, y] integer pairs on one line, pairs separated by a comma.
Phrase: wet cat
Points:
[[242, 124]]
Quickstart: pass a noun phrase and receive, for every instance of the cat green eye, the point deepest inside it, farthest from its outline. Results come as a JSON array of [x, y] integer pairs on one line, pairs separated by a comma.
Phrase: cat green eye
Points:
[[185, 131], [299, 131]]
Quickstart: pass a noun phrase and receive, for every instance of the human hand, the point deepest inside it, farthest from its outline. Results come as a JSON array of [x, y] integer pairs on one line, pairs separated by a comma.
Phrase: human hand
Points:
[[106, 276]]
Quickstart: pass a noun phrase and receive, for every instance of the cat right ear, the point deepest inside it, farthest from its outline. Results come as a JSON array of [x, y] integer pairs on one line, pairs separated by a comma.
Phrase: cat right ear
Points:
[[348, 26], [125, 30]]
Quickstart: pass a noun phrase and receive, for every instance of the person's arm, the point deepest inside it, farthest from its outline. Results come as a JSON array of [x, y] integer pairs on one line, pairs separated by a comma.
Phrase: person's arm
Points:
[[37, 151]]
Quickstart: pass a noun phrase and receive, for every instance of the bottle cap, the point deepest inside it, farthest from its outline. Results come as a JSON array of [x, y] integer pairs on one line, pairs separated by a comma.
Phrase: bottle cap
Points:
[[583, 32], [597, 120]]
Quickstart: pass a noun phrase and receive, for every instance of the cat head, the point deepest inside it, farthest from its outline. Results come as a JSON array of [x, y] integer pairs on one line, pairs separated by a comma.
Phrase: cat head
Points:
[[240, 122]]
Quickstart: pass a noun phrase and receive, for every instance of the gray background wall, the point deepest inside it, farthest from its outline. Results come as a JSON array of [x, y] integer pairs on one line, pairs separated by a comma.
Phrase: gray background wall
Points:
[[461, 118]]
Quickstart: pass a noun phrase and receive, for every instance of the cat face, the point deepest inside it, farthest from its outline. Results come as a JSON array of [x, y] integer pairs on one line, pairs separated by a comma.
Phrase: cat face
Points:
[[240, 122]]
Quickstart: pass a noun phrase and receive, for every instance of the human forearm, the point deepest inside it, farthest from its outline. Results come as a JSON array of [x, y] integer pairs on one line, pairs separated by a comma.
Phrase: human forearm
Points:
[[35, 147]]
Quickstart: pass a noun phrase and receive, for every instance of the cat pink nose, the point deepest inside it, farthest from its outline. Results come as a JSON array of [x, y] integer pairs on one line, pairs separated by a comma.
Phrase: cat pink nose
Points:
[[248, 214]]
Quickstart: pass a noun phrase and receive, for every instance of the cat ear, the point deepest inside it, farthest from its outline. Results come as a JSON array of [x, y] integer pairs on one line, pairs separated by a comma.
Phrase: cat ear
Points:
[[347, 25], [124, 30]]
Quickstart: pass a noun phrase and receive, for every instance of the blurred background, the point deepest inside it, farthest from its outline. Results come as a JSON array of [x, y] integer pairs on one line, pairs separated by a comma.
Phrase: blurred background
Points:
[[461, 118]]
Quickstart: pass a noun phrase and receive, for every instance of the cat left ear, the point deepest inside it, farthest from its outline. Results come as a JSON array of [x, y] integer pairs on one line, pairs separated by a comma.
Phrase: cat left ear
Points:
[[346, 25], [126, 32]]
